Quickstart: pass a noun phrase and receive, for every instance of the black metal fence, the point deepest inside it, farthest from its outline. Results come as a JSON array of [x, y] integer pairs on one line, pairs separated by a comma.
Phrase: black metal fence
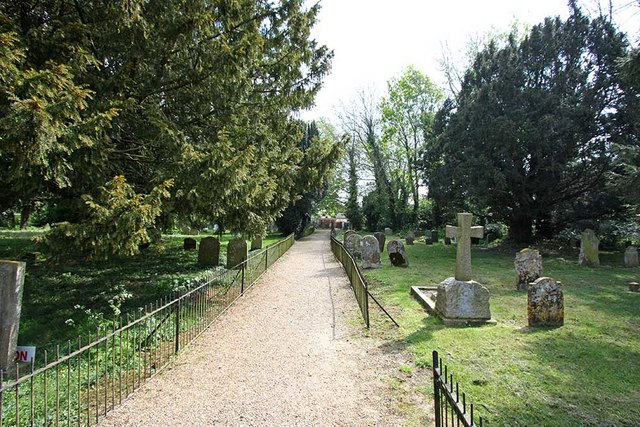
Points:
[[449, 409], [358, 284], [86, 379]]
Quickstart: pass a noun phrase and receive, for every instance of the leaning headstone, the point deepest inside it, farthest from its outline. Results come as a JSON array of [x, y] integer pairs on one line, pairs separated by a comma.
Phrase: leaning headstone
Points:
[[528, 265], [447, 241], [11, 286], [256, 243], [397, 254], [347, 234], [631, 257], [209, 252], [409, 238], [462, 302], [545, 303], [434, 236], [382, 238], [236, 253], [388, 231], [189, 244], [352, 244], [370, 249], [589, 249]]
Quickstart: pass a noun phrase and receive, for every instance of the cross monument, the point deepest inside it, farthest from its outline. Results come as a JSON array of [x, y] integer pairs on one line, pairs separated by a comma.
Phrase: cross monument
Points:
[[463, 234]]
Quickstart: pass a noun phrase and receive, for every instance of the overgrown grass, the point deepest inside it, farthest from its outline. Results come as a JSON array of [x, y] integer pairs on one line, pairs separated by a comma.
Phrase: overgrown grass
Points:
[[586, 372], [63, 301]]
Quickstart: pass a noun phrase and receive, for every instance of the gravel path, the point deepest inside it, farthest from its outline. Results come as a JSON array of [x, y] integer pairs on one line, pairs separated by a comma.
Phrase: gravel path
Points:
[[290, 352]]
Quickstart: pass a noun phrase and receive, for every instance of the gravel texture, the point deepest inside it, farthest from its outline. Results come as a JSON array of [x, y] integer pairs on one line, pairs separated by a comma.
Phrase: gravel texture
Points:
[[291, 352]]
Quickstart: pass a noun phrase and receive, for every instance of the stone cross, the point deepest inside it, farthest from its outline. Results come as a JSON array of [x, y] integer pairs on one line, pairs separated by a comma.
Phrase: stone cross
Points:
[[463, 234]]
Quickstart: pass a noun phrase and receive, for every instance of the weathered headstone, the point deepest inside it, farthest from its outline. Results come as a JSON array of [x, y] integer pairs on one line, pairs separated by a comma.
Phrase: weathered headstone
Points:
[[397, 254], [382, 238], [589, 249], [236, 253], [209, 252], [631, 257], [409, 238], [388, 231], [256, 243], [545, 303], [434, 236], [462, 301], [634, 286], [11, 286], [352, 244], [463, 234], [447, 240], [189, 244], [370, 248], [347, 234], [528, 265]]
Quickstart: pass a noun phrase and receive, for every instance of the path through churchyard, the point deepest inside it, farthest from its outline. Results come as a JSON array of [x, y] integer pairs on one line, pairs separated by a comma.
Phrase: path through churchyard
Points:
[[291, 352]]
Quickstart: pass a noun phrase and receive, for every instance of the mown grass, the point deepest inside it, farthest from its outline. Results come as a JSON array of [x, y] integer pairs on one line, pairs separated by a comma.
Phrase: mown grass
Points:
[[63, 301], [586, 372]]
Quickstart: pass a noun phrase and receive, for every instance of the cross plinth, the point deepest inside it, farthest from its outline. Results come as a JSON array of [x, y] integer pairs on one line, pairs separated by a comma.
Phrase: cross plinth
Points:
[[463, 234]]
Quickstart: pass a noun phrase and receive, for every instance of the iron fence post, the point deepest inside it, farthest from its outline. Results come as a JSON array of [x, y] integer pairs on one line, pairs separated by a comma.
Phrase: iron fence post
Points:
[[178, 325], [266, 258], [242, 284], [436, 388]]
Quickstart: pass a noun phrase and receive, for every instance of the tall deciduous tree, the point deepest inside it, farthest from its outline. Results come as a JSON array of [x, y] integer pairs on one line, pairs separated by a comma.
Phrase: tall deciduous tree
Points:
[[353, 211], [407, 121], [530, 138]]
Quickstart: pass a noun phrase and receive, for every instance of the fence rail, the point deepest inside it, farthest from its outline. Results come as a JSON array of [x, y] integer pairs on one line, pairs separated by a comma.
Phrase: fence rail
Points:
[[449, 410], [88, 378], [358, 284]]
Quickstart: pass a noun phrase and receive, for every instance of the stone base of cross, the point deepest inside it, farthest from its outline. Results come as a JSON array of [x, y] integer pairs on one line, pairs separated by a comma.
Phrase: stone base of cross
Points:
[[463, 234]]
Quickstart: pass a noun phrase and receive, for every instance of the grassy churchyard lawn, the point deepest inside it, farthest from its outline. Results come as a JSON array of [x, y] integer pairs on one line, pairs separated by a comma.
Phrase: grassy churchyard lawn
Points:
[[586, 372], [62, 301]]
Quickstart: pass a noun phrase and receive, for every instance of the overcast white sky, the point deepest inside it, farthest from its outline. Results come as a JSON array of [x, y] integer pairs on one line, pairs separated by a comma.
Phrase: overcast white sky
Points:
[[373, 40]]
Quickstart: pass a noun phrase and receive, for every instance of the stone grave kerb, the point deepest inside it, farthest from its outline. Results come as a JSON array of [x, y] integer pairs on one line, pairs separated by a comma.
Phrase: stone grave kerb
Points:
[[463, 234]]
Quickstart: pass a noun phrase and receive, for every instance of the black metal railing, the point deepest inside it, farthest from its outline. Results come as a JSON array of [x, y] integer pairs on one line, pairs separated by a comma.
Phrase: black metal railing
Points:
[[358, 284], [449, 409], [88, 378]]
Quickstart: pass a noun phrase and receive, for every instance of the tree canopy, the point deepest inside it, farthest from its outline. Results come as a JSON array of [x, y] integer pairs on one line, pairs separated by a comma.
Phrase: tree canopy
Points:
[[200, 93]]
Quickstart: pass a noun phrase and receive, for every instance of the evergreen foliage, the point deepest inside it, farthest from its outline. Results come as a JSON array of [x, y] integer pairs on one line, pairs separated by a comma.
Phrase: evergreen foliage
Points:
[[200, 93], [530, 139]]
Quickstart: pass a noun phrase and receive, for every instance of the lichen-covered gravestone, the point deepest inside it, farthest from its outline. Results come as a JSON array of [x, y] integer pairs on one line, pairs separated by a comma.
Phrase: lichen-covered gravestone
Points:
[[370, 249], [189, 244], [236, 253], [589, 249], [347, 234], [388, 231], [382, 238], [397, 254], [545, 303], [462, 301], [209, 252], [256, 243], [409, 238], [528, 265], [352, 244], [631, 257], [11, 286]]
